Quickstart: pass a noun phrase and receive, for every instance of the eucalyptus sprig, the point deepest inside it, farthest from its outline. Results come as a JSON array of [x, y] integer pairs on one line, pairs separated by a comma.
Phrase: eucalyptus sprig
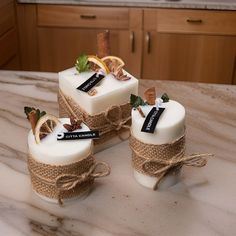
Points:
[[165, 97], [33, 115], [30, 110], [136, 101], [82, 64]]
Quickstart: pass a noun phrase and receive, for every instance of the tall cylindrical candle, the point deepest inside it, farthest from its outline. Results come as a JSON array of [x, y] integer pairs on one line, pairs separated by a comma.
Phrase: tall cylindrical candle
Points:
[[170, 127]]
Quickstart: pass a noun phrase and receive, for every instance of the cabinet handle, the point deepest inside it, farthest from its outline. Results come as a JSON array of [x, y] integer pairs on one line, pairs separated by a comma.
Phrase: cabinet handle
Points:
[[88, 17], [148, 42], [131, 37], [196, 21]]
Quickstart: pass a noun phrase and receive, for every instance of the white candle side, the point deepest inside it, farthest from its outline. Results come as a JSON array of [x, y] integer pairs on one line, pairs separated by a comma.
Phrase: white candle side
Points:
[[110, 91], [54, 152]]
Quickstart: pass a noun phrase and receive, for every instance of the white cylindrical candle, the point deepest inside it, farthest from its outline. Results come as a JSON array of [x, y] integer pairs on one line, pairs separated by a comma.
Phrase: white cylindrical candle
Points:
[[53, 152], [170, 127]]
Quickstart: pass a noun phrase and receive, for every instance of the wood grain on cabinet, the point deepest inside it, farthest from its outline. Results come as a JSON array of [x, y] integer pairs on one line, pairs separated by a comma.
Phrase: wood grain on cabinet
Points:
[[12, 64], [59, 48], [189, 57], [8, 36], [27, 22], [8, 46], [186, 56], [234, 71], [83, 17], [196, 21], [61, 41], [7, 19]]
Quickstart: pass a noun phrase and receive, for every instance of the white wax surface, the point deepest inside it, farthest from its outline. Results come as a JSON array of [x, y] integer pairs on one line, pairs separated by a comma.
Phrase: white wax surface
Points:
[[66, 200], [169, 127], [52, 151], [110, 91], [149, 181]]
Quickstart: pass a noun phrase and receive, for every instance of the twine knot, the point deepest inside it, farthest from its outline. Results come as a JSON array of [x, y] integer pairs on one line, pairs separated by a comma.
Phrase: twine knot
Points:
[[113, 116], [66, 182], [195, 160]]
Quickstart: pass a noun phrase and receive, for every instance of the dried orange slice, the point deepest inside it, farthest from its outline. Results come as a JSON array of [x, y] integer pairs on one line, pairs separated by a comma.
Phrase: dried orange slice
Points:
[[98, 63], [113, 63], [45, 126]]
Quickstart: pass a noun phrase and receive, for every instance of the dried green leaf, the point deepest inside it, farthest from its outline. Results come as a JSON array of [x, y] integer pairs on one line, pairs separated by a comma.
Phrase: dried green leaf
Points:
[[165, 97], [136, 101], [82, 64], [39, 113], [27, 110], [42, 113]]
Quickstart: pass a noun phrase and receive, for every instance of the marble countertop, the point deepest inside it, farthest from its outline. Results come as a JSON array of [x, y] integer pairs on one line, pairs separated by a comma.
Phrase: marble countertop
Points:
[[190, 4], [202, 203]]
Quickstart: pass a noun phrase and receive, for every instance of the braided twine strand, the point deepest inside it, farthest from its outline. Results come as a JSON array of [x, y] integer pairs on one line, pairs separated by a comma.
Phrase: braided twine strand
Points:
[[110, 123], [65, 181], [160, 160]]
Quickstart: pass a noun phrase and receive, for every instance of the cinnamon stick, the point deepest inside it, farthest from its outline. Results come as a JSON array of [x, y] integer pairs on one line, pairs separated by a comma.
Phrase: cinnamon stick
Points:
[[150, 95], [103, 44], [140, 112], [33, 119]]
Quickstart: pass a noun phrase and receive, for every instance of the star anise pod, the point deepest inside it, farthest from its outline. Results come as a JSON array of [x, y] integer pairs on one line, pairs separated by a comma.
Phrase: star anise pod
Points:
[[119, 75], [74, 124], [92, 92]]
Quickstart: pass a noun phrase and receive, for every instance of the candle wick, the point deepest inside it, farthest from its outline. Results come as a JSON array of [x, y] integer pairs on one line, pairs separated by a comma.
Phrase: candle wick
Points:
[[159, 102]]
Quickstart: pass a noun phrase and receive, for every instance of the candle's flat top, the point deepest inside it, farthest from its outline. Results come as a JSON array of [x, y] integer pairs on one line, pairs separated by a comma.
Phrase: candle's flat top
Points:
[[110, 91], [170, 125], [202, 203], [174, 113], [52, 151]]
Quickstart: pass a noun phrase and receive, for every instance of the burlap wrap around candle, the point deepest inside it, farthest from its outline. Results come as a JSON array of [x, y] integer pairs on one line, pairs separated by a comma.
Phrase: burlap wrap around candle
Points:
[[65, 181], [161, 160], [110, 123]]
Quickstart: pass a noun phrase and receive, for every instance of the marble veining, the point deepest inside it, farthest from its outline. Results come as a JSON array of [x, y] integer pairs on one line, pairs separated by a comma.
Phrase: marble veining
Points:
[[189, 4], [202, 203]]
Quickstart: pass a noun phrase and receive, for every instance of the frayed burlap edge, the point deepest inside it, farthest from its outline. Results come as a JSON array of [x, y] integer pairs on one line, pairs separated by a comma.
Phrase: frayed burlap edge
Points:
[[113, 122]]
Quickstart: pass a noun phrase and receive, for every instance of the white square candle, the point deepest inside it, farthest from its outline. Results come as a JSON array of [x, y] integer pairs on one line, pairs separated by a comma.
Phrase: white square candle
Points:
[[109, 92]]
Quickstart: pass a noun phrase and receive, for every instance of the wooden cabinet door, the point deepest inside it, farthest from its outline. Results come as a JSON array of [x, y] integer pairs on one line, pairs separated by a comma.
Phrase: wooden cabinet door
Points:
[[202, 58], [9, 52], [59, 48], [187, 45]]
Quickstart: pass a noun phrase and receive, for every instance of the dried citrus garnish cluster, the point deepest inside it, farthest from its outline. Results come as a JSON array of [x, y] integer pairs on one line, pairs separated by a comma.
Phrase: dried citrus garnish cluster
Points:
[[106, 65]]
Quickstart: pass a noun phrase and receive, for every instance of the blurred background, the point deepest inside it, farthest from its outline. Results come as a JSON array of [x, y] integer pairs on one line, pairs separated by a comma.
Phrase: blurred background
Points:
[[165, 42]]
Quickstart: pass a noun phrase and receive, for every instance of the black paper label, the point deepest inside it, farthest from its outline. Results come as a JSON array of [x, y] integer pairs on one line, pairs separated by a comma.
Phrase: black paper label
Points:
[[91, 82], [78, 135], [151, 120]]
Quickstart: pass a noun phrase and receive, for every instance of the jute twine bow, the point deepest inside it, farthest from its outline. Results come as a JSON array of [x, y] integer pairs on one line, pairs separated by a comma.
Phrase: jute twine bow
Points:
[[66, 182], [159, 160], [112, 116], [119, 122], [195, 160]]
